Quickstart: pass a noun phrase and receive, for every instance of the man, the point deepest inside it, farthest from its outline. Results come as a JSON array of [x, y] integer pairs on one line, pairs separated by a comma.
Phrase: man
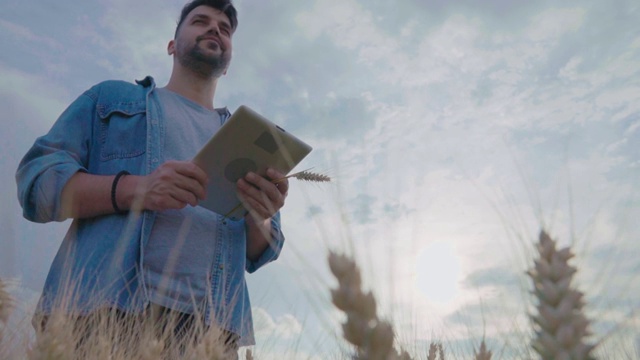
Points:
[[116, 162]]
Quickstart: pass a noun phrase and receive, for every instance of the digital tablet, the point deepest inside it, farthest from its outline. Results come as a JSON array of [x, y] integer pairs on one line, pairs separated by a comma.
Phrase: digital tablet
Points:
[[247, 141]]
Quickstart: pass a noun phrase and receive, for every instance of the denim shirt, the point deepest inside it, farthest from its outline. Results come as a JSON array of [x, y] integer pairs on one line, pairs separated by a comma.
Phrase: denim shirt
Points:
[[111, 127]]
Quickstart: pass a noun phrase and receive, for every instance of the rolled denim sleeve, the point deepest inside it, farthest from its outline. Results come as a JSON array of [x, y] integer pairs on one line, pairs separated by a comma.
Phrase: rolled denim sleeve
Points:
[[53, 159], [272, 252]]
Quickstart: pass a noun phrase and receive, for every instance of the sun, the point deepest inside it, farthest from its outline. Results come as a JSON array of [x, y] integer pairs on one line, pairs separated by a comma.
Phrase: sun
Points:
[[438, 272]]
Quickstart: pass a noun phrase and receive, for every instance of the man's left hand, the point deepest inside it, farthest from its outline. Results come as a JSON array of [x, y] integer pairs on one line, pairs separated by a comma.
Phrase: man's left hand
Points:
[[260, 196]]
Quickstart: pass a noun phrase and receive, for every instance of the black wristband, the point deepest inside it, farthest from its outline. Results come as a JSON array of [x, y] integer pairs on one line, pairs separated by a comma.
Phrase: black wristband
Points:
[[114, 185]]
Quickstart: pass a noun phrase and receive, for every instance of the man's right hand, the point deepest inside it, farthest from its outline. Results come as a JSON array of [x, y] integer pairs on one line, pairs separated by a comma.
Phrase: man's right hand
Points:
[[173, 185]]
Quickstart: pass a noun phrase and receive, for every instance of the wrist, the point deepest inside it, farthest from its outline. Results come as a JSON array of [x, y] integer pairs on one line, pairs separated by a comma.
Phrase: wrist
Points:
[[256, 221], [125, 192]]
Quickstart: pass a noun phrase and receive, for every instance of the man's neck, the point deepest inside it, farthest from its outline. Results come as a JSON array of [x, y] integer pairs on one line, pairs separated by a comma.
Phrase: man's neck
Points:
[[193, 87]]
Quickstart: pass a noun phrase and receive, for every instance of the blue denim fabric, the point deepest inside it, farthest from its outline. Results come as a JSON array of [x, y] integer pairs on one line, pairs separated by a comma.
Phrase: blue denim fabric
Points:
[[111, 127]]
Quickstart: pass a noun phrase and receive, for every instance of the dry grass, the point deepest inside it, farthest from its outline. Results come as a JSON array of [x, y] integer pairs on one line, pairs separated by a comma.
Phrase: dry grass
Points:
[[114, 336], [6, 306]]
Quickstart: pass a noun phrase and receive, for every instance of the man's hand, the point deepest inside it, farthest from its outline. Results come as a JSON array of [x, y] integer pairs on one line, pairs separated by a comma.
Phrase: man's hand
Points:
[[262, 197], [173, 185]]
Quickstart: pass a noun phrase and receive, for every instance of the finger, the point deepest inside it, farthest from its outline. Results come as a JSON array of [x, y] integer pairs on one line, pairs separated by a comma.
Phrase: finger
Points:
[[258, 199], [263, 184], [192, 170], [282, 183], [191, 185], [173, 199], [257, 210], [270, 199], [184, 175], [262, 209], [184, 197], [166, 203]]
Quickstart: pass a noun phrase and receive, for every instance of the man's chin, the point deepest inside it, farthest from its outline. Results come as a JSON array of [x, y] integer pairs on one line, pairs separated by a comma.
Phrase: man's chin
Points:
[[208, 45]]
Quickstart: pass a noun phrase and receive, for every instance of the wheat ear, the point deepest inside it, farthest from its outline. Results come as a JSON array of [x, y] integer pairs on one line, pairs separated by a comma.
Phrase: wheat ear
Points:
[[483, 353], [248, 355], [6, 303], [559, 322], [436, 351], [305, 175], [372, 337]]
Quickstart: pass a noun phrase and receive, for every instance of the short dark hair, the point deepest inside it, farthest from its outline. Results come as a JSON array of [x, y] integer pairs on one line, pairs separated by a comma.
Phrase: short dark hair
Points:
[[225, 6]]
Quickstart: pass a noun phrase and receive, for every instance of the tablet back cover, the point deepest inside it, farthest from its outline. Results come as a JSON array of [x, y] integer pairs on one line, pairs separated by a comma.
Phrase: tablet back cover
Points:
[[246, 142]]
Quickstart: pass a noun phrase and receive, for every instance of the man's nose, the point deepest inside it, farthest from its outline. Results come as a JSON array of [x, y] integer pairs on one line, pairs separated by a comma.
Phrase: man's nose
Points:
[[214, 30]]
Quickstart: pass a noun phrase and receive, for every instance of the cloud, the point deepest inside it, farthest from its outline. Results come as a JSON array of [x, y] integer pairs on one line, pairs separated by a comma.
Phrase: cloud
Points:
[[362, 205], [31, 103], [25, 34], [502, 278], [127, 40], [285, 327], [314, 210], [347, 117]]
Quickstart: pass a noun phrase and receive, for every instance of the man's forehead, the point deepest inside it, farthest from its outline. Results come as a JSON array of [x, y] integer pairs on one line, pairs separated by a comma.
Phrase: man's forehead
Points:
[[208, 11]]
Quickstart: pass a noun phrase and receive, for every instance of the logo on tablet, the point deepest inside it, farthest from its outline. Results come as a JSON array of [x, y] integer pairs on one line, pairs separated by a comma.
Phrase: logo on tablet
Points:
[[239, 168], [267, 143]]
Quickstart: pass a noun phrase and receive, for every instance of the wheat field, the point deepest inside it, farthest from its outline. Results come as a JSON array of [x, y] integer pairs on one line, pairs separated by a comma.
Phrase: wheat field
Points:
[[559, 327]]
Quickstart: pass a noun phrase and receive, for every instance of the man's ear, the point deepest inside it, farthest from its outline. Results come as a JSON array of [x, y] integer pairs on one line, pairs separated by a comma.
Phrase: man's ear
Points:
[[171, 47]]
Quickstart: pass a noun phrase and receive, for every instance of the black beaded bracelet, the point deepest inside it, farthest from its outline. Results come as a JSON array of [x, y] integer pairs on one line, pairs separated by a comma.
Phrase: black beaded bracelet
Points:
[[114, 185]]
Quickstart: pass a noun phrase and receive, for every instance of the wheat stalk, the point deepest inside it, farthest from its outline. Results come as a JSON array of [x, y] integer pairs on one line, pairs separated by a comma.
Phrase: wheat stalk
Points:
[[560, 325], [372, 337]]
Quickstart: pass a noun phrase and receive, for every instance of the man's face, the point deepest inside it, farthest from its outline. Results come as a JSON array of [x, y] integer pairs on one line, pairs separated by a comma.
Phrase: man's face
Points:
[[203, 42]]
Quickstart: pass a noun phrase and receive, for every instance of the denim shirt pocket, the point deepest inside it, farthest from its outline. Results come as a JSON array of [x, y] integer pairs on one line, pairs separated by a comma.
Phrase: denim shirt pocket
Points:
[[122, 130]]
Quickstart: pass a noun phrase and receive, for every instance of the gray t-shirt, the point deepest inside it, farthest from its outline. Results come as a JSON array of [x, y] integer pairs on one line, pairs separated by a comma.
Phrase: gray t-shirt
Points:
[[179, 255]]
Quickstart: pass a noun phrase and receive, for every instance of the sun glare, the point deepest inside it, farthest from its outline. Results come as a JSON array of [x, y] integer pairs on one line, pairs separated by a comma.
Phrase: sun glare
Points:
[[437, 272]]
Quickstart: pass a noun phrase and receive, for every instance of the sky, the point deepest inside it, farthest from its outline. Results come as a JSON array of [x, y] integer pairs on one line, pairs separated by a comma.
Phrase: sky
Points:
[[453, 132]]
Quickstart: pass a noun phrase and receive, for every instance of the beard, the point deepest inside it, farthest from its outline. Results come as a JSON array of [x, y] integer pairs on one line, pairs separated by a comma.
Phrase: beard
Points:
[[201, 62]]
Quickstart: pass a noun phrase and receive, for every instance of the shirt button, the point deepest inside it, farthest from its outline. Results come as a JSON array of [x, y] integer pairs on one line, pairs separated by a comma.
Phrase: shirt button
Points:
[[155, 160], [221, 267]]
